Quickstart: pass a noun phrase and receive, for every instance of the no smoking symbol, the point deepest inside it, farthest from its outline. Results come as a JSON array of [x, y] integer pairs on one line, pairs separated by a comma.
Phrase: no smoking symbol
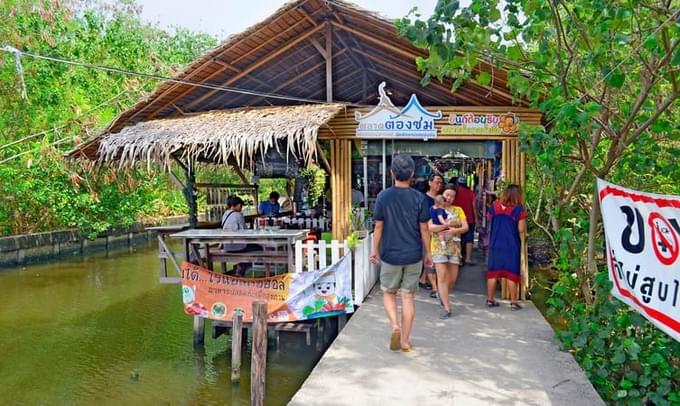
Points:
[[664, 239]]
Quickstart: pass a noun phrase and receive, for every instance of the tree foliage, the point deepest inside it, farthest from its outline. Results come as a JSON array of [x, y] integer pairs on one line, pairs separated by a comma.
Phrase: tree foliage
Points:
[[605, 76], [65, 104]]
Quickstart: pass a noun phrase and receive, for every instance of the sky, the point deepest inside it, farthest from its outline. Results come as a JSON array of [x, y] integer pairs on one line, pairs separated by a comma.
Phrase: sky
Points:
[[222, 18]]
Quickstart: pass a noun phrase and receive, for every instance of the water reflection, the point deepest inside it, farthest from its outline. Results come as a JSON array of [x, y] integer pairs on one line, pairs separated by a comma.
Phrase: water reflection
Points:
[[101, 329]]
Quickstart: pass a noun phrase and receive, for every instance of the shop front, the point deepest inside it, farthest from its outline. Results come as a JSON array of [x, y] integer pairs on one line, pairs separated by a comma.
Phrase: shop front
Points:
[[479, 143]]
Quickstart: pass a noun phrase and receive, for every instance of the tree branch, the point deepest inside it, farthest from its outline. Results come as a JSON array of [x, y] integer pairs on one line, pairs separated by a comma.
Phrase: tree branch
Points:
[[570, 193]]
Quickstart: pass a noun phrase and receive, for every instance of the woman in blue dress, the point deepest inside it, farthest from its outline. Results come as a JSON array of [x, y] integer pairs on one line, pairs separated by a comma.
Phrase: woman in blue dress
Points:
[[507, 219]]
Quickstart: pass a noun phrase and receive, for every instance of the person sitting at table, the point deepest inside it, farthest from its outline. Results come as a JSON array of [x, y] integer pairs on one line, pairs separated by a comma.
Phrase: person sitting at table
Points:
[[233, 220], [270, 207]]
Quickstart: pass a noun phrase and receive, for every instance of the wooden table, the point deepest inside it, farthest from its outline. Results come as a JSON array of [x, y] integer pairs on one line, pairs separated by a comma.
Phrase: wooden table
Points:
[[194, 238]]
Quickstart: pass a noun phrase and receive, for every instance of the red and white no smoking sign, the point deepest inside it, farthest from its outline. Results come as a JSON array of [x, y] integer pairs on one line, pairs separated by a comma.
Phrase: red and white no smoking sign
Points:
[[643, 252]]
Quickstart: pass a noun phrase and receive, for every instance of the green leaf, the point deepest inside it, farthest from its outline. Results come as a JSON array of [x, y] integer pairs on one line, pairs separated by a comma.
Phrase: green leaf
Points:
[[619, 357], [593, 107], [676, 58], [616, 79], [484, 78], [515, 53], [650, 43], [625, 384], [655, 359]]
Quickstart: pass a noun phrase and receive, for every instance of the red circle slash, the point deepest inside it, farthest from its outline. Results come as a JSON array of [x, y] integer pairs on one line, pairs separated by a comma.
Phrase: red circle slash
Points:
[[664, 240]]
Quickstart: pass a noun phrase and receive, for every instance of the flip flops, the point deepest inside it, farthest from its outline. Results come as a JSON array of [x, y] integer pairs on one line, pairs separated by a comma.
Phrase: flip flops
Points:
[[395, 341]]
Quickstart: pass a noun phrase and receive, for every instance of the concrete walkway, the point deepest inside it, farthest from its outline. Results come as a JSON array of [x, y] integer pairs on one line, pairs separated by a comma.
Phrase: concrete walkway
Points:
[[480, 356]]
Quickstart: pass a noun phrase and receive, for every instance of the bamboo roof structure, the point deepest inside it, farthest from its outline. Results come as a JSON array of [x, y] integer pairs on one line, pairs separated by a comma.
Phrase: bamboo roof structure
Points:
[[290, 53]]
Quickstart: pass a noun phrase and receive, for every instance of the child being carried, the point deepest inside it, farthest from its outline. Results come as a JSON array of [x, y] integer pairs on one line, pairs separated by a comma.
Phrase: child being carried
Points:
[[444, 217]]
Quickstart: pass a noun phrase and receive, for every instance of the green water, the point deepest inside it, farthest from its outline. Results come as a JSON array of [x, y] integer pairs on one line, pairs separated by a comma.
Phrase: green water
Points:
[[102, 330]]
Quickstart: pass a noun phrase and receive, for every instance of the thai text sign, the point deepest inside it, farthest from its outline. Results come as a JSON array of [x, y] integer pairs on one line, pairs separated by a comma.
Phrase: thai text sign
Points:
[[388, 121], [643, 242], [289, 297], [481, 124]]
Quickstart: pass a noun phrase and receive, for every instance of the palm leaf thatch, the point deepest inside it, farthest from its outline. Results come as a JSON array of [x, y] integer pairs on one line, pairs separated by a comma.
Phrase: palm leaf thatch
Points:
[[219, 136]]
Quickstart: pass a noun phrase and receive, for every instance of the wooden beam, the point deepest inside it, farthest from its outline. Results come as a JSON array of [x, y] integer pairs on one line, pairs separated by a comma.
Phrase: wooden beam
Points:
[[240, 174], [306, 15], [393, 78], [318, 47], [377, 41], [203, 66], [237, 70], [324, 161], [259, 63], [296, 78], [274, 79], [353, 57], [329, 63], [415, 75]]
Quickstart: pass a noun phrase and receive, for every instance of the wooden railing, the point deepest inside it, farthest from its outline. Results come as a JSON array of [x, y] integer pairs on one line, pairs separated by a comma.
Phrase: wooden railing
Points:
[[216, 195]]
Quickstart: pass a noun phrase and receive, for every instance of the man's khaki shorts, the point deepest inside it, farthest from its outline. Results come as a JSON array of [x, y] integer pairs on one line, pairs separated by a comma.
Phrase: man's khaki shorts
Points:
[[400, 277]]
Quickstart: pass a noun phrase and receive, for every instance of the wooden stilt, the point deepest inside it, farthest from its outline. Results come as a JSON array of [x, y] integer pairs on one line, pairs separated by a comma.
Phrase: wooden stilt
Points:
[[236, 335], [342, 320], [199, 331], [259, 359]]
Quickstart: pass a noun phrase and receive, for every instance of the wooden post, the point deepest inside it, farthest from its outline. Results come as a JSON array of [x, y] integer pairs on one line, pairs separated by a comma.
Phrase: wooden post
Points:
[[190, 194], [199, 331], [329, 63], [236, 335], [189, 190], [504, 160], [258, 364]]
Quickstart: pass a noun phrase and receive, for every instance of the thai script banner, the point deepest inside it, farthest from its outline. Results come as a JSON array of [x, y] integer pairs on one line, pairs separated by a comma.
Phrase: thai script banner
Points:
[[642, 232], [481, 124], [388, 121], [289, 297]]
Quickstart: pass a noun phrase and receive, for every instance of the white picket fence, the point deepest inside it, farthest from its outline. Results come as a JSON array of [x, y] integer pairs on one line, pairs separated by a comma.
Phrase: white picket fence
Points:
[[308, 223], [312, 256]]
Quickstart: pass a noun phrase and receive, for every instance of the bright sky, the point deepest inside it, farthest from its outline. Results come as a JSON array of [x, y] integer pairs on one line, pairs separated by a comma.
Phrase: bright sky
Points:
[[225, 17]]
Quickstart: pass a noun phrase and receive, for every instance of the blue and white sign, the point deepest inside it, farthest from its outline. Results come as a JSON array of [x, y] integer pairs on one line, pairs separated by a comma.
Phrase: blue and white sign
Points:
[[388, 121]]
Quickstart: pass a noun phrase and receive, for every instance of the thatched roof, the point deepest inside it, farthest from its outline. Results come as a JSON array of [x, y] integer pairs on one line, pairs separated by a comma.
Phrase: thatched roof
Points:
[[223, 136], [284, 55]]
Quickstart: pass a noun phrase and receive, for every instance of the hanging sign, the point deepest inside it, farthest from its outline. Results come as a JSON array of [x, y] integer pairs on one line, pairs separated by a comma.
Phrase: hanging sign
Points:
[[643, 245], [388, 121], [289, 297], [481, 124]]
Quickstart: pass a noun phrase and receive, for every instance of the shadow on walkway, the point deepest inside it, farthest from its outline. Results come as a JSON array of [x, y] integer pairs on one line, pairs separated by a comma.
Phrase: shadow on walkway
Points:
[[479, 356]]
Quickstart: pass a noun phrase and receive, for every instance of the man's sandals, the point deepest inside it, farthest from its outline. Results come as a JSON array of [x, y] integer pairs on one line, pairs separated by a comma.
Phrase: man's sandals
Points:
[[395, 342]]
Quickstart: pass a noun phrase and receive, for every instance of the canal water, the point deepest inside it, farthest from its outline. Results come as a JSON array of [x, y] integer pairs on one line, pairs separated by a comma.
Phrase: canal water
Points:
[[102, 330]]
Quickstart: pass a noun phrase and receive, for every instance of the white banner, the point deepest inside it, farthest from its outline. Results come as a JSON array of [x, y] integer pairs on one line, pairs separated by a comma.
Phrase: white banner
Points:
[[643, 242]]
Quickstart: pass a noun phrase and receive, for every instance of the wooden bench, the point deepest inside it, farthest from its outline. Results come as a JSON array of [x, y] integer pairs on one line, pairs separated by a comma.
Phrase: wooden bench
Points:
[[260, 257], [299, 327]]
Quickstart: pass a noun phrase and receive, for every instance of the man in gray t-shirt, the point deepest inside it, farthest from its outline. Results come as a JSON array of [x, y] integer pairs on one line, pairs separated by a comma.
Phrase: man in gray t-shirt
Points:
[[401, 245]]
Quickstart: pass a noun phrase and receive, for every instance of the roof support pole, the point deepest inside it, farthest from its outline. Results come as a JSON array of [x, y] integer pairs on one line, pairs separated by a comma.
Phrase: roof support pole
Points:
[[189, 190], [329, 63]]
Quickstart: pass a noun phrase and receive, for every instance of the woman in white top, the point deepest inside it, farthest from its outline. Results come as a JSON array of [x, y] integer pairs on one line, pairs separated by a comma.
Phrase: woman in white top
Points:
[[233, 220]]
